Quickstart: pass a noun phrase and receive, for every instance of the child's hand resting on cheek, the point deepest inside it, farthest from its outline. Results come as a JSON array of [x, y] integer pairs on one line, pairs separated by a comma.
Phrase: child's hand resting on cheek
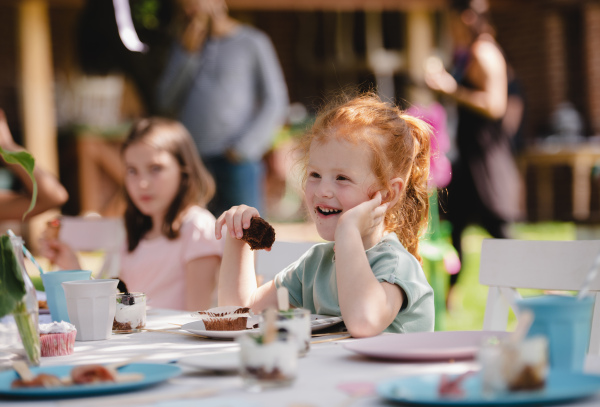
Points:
[[366, 217]]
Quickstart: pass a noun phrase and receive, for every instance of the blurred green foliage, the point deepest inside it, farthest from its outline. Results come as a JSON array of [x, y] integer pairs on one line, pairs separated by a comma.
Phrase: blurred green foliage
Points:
[[146, 13]]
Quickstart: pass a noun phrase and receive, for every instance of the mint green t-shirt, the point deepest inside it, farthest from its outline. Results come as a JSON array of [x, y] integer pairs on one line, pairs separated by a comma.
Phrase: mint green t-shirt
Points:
[[312, 283]]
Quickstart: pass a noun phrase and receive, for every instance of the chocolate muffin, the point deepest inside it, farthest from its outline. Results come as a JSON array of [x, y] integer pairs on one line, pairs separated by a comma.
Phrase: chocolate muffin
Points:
[[260, 235], [226, 318]]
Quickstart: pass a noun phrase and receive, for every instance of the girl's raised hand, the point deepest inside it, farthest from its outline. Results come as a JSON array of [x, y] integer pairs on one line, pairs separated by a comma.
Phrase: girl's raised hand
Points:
[[59, 253], [236, 219], [366, 217]]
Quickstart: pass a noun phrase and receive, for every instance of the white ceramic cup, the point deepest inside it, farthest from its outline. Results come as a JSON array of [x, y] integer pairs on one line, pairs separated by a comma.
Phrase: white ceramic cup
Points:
[[91, 305]]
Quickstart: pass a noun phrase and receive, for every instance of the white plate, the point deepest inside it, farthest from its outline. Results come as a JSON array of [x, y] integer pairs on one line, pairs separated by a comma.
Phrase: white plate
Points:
[[318, 322], [198, 328], [443, 345], [221, 361]]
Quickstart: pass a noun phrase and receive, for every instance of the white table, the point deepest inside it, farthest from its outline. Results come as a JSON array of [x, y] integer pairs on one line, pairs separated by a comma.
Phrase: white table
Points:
[[320, 372]]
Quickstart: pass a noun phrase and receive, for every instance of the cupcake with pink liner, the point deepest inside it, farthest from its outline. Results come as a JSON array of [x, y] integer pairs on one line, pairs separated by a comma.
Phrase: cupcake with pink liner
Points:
[[57, 338]]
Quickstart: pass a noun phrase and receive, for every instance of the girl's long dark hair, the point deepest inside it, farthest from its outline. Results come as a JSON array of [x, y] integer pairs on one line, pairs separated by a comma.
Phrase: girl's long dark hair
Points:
[[197, 185]]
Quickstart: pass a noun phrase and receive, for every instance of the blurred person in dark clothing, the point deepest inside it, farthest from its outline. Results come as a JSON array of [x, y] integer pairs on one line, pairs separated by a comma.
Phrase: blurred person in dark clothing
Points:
[[223, 81], [486, 186]]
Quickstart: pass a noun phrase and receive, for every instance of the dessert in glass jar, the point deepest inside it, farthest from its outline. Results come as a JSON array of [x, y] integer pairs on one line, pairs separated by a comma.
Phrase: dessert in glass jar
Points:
[[130, 314], [268, 364], [297, 322]]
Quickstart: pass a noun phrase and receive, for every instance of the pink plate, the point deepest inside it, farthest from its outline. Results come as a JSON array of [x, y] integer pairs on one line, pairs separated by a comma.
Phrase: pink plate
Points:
[[425, 346]]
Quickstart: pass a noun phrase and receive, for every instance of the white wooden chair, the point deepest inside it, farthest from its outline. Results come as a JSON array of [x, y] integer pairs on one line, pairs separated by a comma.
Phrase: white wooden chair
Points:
[[507, 264], [90, 234], [282, 254]]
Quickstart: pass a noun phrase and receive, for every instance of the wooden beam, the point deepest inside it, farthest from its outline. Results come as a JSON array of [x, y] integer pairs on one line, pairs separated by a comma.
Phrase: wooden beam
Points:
[[51, 3], [37, 98], [419, 47], [291, 5], [336, 5], [37, 78]]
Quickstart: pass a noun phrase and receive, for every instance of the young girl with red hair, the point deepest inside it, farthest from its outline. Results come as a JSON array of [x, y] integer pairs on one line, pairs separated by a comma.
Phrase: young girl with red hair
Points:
[[366, 168]]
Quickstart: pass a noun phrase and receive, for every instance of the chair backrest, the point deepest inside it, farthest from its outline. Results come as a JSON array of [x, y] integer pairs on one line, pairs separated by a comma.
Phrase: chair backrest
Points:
[[507, 264], [282, 254], [89, 234]]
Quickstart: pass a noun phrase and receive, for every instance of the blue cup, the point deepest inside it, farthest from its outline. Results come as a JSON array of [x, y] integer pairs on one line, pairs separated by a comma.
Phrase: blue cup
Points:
[[55, 295], [566, 322]]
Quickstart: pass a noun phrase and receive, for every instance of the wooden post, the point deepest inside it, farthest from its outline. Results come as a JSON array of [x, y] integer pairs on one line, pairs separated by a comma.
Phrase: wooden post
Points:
[[37, 100], [591, 18], [555, 67], [418, 48]]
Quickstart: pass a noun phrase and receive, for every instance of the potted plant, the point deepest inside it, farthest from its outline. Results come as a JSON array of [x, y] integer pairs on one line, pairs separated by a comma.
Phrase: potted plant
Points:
[[17, 294]]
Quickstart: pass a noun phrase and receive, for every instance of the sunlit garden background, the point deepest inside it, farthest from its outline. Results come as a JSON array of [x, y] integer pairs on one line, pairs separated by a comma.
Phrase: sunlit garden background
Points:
[[81, 43]]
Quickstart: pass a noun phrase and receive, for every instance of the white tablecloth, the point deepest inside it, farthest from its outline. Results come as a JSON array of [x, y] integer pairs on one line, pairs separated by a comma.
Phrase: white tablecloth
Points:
[[321, 372]]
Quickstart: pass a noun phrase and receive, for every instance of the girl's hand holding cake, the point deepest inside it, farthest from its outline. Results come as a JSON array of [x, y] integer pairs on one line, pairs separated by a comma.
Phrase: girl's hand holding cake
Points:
[[237, 218], [55, 250], [244, 222], [59, 253], [52, 229]]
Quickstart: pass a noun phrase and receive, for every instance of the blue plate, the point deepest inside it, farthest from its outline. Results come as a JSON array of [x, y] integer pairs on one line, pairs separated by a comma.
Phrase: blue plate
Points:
[[423, 390], [153, 373]]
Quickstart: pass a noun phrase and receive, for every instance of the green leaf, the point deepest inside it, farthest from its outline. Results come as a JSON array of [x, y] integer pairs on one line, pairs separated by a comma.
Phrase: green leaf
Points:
[[12, 286], [26, 161]]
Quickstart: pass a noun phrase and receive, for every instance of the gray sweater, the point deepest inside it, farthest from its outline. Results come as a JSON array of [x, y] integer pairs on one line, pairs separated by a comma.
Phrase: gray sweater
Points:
[[231, 95]]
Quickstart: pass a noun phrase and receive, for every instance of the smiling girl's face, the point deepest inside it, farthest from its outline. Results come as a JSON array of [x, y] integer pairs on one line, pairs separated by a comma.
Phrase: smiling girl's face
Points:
[[339, 177], [152, 179]]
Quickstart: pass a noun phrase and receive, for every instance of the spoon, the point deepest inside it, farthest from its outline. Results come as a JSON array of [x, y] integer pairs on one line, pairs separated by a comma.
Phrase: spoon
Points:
[[125, 362], [23, 370], [591, 275], [68, 380], [270, 328], [523, 325], [283, 299]]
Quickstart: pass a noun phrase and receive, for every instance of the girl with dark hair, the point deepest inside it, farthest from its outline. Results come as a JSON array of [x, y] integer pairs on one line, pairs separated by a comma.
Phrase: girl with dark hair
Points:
[[172, 255]]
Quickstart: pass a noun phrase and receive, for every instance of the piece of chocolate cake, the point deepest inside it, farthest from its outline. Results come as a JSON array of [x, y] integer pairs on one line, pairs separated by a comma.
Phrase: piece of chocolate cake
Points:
[[260, 234], [225, 318]]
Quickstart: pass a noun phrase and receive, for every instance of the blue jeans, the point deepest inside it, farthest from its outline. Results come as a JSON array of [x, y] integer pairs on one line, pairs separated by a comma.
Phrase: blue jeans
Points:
[[237, 183]]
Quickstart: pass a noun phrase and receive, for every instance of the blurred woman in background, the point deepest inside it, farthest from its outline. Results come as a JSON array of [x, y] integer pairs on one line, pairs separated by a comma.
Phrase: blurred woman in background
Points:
[[486, 186]]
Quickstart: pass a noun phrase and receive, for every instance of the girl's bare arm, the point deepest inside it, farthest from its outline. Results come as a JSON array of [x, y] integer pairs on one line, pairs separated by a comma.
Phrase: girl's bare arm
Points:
[[367, 306], [201, 276], [237, 276], [487, 72]]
